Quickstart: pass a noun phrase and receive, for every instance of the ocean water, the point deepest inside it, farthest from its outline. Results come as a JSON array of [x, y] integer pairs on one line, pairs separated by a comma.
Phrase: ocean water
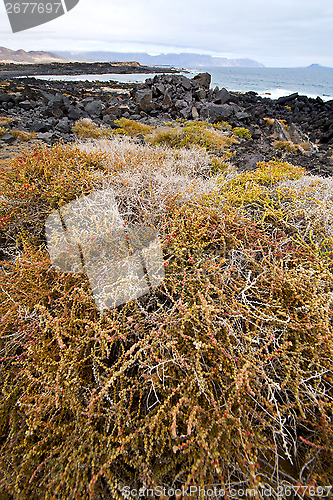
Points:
[[267, 82], [275, 82]]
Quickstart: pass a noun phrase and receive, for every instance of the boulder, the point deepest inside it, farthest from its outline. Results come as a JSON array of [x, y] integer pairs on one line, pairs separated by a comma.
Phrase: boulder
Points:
[[180, 104], [200, 94], [5, 97], [167, 100], [158, 89], [194, 113], [241, 115], [185, 82], [7, 138], [144, 99], [186, 113], [215, 112], [64, 126], [40, 126], [279, 132], [285, 99], [74, 113], [113, 110], [203, 80], [94, 108], [222, 96], [26, 105], [109, 120]]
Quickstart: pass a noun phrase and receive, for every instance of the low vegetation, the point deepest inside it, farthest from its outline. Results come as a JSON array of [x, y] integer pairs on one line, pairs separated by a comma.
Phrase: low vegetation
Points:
[[242, 132], [131, 127], [222, 375], [197, 133], [5, 120], [287, 146], [85, 128], [22, 135]]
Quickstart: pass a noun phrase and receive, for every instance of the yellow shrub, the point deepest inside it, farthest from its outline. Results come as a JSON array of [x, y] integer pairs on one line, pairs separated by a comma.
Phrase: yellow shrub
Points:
[[242, 132], [194, 133], [21, 135], [5, 120], [221, 375], [85, 128], [131, 127], [3, 131]]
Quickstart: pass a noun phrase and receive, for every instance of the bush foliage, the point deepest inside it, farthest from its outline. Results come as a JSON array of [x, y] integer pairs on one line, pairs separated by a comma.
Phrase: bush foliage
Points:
[[199, 133], [221, 376], [85, 128]]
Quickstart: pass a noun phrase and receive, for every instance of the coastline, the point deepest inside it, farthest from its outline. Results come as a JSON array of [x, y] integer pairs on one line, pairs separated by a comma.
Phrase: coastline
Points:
[[48, 110], [78, 68]]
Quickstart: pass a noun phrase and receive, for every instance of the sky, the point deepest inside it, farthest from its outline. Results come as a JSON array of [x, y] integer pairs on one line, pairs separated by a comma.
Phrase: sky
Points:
[[277, 33]]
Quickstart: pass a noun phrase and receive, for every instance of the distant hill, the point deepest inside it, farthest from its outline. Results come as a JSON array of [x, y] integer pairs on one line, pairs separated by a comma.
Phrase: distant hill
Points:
[[31, 57], [174, 60], [318, 66]]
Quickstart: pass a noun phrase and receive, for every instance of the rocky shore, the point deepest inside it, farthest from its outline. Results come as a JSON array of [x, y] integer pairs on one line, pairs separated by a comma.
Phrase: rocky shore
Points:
[[79, 68], [48, 111]]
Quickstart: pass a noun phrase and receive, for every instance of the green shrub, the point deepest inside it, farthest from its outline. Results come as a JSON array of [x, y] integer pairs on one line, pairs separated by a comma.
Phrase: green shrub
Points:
[[131, 127], [221, 375], [242, 132]]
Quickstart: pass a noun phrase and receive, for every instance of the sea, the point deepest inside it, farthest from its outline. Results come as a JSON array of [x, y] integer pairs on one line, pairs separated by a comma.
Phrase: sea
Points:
[[267, 82]]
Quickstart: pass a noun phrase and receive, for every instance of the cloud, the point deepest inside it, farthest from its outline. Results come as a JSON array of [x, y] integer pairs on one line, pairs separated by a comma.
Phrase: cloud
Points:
[[267, 30]]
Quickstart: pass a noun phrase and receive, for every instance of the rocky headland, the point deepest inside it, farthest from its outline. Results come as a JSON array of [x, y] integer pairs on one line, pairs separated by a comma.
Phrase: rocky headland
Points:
[[48, 111]]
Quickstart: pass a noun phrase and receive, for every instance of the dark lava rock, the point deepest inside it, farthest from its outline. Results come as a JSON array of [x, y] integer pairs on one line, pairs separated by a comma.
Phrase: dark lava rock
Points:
[[216, 113], [222, 96], [283, 100], [144, 99], [94, 108], [203, 80]]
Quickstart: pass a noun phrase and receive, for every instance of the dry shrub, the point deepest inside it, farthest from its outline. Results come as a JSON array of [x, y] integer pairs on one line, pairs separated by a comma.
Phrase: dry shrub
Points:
[[21, 135], [286, 146], [5, 120], [222, 375], [306, 146], [41, 180], [145, 179], [85, 128]]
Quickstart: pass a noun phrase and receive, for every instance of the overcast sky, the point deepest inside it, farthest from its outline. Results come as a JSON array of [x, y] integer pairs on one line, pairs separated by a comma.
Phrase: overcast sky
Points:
[[276, 33]]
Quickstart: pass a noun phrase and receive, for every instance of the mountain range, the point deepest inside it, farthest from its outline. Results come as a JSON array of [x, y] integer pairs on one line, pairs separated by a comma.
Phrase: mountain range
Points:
[[184, 60], [31, 57]]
